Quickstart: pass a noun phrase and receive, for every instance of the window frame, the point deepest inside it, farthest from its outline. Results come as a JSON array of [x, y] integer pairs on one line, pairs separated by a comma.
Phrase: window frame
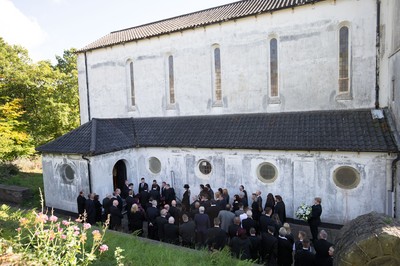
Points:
[[130, 85], [261, 178], [217, 95], [356, 182], [344, 75]]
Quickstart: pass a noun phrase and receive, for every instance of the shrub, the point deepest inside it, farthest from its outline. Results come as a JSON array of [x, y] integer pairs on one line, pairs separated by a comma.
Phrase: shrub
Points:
[[8, 169]]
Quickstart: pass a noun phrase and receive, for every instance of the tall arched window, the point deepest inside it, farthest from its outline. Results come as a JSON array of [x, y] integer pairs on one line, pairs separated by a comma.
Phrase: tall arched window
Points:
[[171, 79], [344, 81], [217, 75], [273, 58], [132, 84]]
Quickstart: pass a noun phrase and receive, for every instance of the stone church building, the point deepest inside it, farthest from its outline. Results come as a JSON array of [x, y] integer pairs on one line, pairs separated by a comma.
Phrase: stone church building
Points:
[[297, 97]]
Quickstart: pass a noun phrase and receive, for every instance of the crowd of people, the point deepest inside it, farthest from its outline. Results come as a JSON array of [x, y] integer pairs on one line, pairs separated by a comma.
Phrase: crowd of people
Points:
[[251, 230]]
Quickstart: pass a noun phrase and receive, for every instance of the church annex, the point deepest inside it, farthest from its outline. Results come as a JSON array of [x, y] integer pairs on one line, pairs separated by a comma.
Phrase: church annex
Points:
[[298, 98]]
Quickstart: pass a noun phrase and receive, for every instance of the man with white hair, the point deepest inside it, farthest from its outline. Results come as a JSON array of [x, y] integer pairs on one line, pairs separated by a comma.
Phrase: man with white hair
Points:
[[321, 247], [116, 216], [171, 232], [285, 256], [202, 222], [152, 213], [249, 222]]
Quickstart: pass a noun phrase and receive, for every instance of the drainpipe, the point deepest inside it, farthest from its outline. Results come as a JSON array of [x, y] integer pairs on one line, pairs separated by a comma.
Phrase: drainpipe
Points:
[[89, 174], [378, 50], [87, 87], [394, 174]]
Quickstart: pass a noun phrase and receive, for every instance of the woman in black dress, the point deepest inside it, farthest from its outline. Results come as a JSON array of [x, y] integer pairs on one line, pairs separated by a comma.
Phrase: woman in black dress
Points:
[[280, 208], [136, 219], [186, 198]]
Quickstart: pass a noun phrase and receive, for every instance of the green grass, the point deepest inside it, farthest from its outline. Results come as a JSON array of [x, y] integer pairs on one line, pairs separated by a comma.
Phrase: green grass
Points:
[[141, 252], [33, 181]]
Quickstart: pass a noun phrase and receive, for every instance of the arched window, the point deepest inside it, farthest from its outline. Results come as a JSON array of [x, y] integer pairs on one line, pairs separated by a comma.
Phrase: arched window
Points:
[[217, 75], [171, 79], [273, 59], [132, 84], [344, 81]]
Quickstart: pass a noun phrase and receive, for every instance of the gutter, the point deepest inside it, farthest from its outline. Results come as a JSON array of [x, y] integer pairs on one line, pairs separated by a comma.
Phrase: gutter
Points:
[[378, 51], [87, 87]]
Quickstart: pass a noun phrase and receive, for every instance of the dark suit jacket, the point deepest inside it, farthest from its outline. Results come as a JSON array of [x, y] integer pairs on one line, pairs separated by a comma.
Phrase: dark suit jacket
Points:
[[81, 201], [171, 233], [155, 194], [255, 247], [304, 257], [160, 222], [247, 224], [152, 214], [216, 238], [264, 222], [202, 222], [129, 202], [284, 252], [321, 247], [315, 219], [90, 211], [232, 230], [212, 213], [187, 232], [116, 217], [141, 186], [240, 248], [269, 248], [280, 209]]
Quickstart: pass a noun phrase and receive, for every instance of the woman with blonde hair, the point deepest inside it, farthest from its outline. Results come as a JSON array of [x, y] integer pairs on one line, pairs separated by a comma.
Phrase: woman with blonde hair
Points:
[[225, 194], [136, 220], [289, 234]]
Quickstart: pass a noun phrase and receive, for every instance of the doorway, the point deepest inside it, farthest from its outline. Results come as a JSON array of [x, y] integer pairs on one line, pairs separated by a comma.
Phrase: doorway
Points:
[[119, 175]]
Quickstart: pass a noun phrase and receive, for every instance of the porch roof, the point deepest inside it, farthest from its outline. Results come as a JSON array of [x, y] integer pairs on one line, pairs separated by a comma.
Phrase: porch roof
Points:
[[342, 130]]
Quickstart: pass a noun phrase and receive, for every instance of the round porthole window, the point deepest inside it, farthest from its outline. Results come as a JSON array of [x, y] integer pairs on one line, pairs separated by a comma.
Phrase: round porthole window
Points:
[[346, 177], [267, 172], [205, 167], [67, 173], [154, 165]]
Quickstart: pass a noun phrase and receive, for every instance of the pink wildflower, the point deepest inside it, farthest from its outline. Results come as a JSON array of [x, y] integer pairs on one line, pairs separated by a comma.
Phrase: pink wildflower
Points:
[[76, 233], [18, 229], [65, 222], [41, 218], [86, 226], [76, 228], [53, 218], [63, 236], [103, 248]]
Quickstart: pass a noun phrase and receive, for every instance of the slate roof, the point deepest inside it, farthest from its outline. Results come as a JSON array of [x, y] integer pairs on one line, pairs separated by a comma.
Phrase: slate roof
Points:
[[193, 20], [346, 130]]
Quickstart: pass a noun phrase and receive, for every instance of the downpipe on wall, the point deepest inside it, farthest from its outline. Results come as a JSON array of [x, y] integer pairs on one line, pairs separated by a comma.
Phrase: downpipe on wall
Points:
[[89, 174], [378, 51], [394, 183], [87, 87]]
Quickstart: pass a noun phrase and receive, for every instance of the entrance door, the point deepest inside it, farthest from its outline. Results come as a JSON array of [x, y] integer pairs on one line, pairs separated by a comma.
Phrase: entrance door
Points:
[[119, 175]]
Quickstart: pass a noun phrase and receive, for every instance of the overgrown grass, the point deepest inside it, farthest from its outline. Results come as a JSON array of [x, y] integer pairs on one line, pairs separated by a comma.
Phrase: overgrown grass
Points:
[[33, 181]]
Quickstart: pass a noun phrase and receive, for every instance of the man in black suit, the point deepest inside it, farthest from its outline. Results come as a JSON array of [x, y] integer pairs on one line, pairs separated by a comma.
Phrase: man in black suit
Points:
[[255, 245], [216, 237], [169, 194], [142, 184], [187, 231], [174, 212], [160, 222], [152, 213], [248, 222], [90, 210], [202, 222], [285, 249], [129, 202], [265, 220], [269, 247], [125, 190], [315, 219], [116, 217], [154, 193], [117, 196], [304, 257], [233, 228], [81, 201], [321, 247], [144, 197], [212, 212], [107, 203], [171, 232]]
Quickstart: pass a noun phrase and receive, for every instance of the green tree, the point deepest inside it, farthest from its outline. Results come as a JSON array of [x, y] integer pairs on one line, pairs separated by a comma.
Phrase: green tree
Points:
[[44, 96]]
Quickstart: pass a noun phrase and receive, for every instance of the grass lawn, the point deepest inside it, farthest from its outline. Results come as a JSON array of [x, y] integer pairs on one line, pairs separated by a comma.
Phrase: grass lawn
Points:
[[34, 181]]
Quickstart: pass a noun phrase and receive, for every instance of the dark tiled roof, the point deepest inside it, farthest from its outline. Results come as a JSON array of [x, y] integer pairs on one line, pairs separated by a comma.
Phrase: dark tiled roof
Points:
[[197, 19], [350, 130]]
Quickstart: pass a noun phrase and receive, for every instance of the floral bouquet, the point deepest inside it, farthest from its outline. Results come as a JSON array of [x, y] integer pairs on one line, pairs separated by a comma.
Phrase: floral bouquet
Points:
[[303, 212]]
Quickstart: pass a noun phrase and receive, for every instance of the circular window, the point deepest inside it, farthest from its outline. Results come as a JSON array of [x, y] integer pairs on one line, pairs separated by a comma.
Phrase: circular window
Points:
[[346, 177], [205, 167], [154, 165], [67, 173], [267, 172]]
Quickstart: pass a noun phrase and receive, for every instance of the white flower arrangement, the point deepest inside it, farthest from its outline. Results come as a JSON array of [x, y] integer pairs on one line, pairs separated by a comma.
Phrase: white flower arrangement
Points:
[[303, 212]]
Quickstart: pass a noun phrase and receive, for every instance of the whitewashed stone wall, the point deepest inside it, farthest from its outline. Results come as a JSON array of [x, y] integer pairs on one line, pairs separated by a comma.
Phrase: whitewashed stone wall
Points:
[[301, 176], [308, 65]]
